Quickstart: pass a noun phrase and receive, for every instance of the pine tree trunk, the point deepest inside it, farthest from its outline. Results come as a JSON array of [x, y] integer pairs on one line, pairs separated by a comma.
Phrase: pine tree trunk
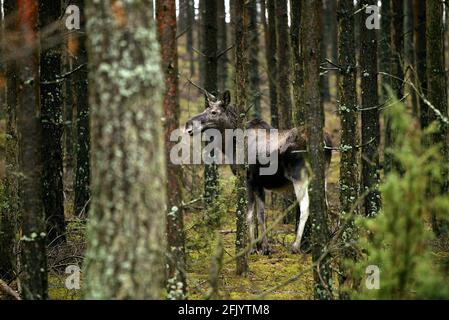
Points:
[[166, 27], [254, 79], [9, 213], [222, 39], [125, 256], [191, 21], [33, 276], [327, 45], [297, 63], [397, 74], [82, 172], [408, 53], [209, 19], [370, 116], [241, 89], [271, 49], [283, 65], [437, 95], [419, 41], [52, 125], [311, 20]]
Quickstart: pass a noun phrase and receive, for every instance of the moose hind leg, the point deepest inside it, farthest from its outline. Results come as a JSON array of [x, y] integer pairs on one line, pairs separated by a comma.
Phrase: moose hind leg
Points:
[[302, 195], [260, 204]]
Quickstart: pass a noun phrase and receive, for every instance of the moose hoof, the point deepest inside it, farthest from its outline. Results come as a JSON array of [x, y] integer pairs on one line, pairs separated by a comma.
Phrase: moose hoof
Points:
[[266, 250]]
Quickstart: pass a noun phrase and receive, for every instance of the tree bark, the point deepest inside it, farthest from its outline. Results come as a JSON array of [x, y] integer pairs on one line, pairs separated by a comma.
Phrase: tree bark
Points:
[[209, 19], [272, 70], [283, 66], [254, 78], [82, 172], [437, 95], [241, 23], [420, 45], [125, 256], [52, 125], [311, 20], [297, 63], [176, 262], [33, 276], [370, 116], [222, 39]]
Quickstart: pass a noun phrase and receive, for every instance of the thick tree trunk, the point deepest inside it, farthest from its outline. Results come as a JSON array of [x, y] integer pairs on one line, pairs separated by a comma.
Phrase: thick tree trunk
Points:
[[209, 19], [437, 95], [125, 256], [241, 101], [166, 27], [370, 116], [311, 20], [271, 49], [297, 63], [254, 78], [420, 45], [33, 276], [283, 66], [9, 212], [82, 172], [222, 38], [52, 125]]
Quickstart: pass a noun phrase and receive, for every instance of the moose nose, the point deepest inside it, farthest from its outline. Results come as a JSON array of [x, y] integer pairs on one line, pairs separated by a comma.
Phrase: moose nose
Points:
[[189, 128]]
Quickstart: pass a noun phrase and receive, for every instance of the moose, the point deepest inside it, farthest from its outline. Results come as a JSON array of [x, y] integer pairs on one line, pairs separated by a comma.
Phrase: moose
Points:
[[291, 173]]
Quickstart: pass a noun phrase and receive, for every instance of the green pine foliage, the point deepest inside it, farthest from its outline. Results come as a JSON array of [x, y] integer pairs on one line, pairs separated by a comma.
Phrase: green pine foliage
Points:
[[398, 240]]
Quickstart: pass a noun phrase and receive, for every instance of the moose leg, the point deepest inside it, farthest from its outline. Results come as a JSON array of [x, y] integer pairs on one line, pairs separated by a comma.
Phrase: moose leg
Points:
[[260, 202], [302, 195]]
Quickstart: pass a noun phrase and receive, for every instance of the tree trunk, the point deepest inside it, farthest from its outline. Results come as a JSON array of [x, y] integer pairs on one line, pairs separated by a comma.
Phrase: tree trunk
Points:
[[222, 38], [437, 95], [283, 66], [408, 53], [329, 49], [51, 118], [9, 212], [33, 276], [297, 63], [241, 89], [311, 20], [166, 27], [254, 79], [397, 74], [125, 256], [82, 173], [419, 42], [191, 21], [272, 70], [209, 19], [370, 116]]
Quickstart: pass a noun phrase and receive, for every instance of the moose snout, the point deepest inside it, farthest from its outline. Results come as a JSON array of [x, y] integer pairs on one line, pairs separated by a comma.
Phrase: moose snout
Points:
[[189, 128]]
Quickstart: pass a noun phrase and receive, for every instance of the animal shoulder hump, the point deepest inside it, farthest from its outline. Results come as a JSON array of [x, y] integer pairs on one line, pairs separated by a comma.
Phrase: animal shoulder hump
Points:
[[258, 124]]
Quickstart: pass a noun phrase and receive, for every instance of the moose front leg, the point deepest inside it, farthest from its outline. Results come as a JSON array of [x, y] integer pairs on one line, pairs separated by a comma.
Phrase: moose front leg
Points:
[[250, 218], [302, 195], [260, 204]]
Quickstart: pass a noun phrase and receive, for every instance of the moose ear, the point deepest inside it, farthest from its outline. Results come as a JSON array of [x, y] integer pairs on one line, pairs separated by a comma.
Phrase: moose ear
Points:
[[226, 98]]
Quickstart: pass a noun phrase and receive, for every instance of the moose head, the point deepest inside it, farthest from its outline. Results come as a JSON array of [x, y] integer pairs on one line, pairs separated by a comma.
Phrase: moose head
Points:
[[217, 115]]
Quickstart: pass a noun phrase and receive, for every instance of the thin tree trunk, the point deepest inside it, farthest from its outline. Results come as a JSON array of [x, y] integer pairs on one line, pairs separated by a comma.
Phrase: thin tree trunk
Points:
[[9, 213], [209, 19], [311, 20], [397, 74], [166, 27], [241, 23], [189, 42], [347, 97], [125, 256], [420, 46], [370, 116], [408, 53], [222, 38], [254, 78], [437, 95], [283, 65], [33, 276], [270, 53], [328, 44], [297, 63]]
